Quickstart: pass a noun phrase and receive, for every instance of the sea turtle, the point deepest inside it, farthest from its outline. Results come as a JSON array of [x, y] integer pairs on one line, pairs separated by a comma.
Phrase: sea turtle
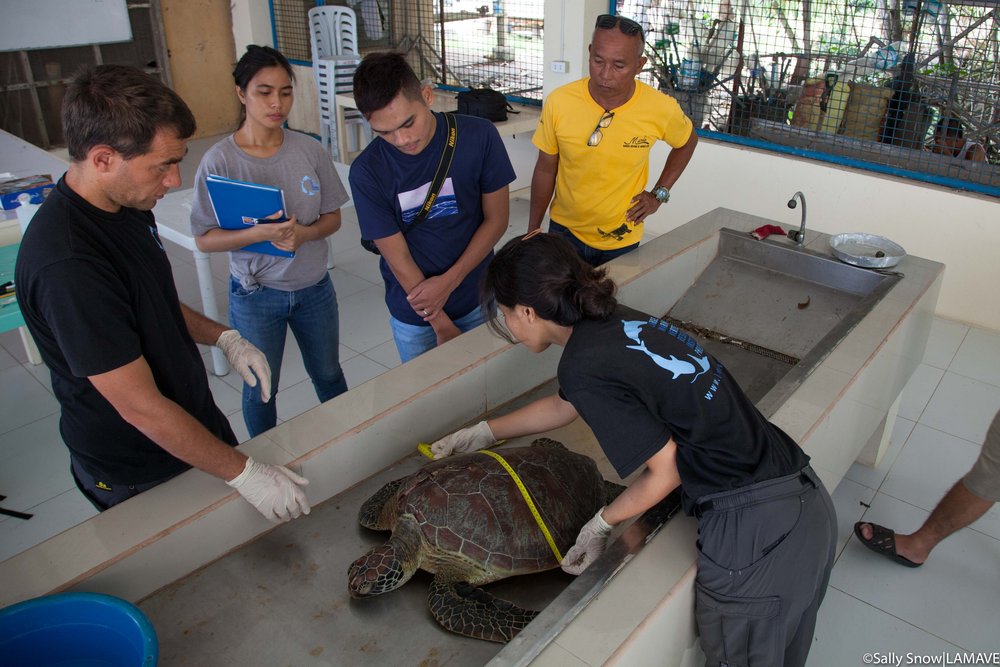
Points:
[[464, 519]]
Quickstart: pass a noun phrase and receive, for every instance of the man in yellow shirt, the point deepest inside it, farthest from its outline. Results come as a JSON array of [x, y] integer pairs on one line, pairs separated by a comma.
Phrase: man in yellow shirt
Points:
[[593, 144]]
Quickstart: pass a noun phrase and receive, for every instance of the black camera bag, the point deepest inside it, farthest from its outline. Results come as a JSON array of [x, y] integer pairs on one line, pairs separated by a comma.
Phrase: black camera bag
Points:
[[485, 103]]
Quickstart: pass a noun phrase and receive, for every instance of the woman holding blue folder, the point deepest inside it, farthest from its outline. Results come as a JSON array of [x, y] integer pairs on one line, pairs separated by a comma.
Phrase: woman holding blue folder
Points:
[[271, 292]]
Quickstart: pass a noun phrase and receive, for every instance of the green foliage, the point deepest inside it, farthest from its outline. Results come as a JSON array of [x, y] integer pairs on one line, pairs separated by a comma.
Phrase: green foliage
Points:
[[943, 70], [837, 45]]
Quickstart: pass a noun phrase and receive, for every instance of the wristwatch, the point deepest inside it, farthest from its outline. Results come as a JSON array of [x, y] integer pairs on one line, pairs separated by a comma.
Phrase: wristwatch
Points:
[[661, 193]]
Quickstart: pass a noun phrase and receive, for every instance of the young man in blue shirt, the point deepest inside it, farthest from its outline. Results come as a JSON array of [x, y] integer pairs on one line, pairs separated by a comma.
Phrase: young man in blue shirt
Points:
[[431, 268]]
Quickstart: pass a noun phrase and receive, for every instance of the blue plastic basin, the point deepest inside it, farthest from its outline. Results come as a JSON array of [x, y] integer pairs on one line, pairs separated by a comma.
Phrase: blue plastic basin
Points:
[[77, 629]]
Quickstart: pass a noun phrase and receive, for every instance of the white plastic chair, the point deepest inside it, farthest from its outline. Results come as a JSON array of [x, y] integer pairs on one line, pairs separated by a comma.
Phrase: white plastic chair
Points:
[[333, 31], [333, 37]]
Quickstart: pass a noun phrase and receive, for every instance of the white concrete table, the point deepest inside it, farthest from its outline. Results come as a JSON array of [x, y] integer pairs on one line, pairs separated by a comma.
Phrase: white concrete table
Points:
[[173, 219], [21, 158], [525, 120], [18, 159]]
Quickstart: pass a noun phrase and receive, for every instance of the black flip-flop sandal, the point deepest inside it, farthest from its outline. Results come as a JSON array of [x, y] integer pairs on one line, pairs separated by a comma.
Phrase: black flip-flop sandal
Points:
[[883, 542]]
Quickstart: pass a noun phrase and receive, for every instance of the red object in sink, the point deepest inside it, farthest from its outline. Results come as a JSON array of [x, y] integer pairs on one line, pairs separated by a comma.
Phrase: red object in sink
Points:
[[766, 230]]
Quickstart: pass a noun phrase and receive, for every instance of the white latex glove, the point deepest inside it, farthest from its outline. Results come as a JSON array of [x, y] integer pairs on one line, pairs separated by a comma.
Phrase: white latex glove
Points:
[[590, 544], [467, 440], [274, 490], [247, 360]]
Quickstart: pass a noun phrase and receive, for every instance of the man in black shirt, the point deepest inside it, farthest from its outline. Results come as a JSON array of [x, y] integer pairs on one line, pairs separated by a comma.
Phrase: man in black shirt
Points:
[[98, 296]]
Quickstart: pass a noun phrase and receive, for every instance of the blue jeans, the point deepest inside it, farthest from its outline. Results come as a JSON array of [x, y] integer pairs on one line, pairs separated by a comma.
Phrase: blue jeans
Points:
[[263, 315], [592, 256], [413, 340]]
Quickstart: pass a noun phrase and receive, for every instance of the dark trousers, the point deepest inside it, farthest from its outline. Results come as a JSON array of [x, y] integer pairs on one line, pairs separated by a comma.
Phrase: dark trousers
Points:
[[592, 256], [103, 493], [765, 555]]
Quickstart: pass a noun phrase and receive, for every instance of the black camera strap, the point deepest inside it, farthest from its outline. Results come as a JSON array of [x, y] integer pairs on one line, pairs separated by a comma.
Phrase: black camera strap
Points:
[[444, 164]]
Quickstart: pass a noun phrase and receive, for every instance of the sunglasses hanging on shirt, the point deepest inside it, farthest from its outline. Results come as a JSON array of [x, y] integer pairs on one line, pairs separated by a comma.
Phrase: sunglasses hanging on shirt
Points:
[[597, 135]]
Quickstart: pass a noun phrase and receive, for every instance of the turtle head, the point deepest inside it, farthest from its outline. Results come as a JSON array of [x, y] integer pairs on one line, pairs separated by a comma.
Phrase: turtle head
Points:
[[378, 571]]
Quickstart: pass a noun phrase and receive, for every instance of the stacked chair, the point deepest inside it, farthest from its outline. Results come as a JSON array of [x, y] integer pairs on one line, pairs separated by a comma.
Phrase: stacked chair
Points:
[[333, 36]]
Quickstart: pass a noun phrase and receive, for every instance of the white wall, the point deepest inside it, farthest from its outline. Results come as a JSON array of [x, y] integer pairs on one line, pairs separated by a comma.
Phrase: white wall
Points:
[[251, 24], [569, 25], [305, 112]]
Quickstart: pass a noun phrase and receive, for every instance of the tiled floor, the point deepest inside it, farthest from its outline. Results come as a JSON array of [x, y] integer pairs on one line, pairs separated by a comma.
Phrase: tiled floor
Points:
[[949, 604], [873, 606]]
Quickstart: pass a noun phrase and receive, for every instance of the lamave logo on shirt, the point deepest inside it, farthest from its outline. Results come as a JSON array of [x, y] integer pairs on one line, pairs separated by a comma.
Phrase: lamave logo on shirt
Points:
[[309, 186], [618, 233], [156, 237], [636, 142], [678, 367]]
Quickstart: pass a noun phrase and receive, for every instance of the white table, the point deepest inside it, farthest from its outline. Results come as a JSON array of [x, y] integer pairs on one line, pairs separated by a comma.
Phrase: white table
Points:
[[24, 159], [173, 220], [526, 120], [20, 158]]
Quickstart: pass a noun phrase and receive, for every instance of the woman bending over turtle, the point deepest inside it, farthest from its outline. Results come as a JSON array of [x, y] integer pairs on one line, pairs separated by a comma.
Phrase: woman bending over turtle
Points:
[[655, 398]]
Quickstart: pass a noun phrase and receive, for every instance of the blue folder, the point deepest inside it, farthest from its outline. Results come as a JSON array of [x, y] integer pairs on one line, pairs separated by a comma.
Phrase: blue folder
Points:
[[239, 204]]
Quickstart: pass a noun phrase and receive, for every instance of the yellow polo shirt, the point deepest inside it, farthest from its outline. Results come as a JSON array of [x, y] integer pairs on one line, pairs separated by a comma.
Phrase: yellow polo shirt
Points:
[[595, 184]]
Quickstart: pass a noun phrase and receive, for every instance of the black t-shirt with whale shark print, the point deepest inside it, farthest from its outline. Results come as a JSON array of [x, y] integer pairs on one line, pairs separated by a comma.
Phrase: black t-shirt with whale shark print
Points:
[[637, 380]]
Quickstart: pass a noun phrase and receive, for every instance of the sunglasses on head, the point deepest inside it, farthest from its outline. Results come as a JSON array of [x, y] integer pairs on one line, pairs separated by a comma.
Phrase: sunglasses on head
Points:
[[627, 26]]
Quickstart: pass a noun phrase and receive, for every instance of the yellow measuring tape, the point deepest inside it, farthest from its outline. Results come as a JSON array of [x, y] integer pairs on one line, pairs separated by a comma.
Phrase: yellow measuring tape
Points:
[[425, 449], [527, 499]]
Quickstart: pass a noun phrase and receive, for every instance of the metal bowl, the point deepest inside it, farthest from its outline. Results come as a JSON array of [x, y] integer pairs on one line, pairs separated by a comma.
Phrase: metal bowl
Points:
[[867, 250]]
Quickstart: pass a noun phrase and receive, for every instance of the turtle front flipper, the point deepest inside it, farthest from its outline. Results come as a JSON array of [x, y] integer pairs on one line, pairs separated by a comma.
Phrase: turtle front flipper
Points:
[[611, 491], [370, 514], [389, 566], [467, 610]]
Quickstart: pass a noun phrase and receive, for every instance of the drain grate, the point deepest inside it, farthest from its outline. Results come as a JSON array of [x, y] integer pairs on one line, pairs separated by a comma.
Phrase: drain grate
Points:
[[704, 333]]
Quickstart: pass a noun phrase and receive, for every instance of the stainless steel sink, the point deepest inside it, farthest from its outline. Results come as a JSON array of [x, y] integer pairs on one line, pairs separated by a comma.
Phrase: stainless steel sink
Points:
[[771, 312]]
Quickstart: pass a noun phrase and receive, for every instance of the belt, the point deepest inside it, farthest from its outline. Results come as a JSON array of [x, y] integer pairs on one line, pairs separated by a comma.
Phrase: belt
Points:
[[769, 489]]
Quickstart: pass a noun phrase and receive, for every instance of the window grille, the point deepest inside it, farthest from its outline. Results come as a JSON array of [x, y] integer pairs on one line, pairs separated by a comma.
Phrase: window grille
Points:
[[290, 22], [452, 43], [883, 84]]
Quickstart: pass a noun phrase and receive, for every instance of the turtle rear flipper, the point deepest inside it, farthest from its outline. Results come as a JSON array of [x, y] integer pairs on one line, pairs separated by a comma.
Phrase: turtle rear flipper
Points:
[[467, 610]]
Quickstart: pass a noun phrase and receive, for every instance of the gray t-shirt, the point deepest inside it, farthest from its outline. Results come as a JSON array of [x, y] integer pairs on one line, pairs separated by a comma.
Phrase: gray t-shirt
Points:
[[304, 171]]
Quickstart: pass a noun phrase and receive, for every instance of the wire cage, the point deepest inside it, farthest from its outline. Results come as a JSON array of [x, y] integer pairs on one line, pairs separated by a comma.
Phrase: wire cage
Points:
[[909, 85], [451, 43], [493, 45]]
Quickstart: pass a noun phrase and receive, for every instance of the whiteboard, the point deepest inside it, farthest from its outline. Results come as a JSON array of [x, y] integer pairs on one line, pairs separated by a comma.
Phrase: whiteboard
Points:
[[44, 24]]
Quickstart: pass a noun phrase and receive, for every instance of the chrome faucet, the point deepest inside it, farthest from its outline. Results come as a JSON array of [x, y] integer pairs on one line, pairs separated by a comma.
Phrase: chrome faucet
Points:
[[798, 236]]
